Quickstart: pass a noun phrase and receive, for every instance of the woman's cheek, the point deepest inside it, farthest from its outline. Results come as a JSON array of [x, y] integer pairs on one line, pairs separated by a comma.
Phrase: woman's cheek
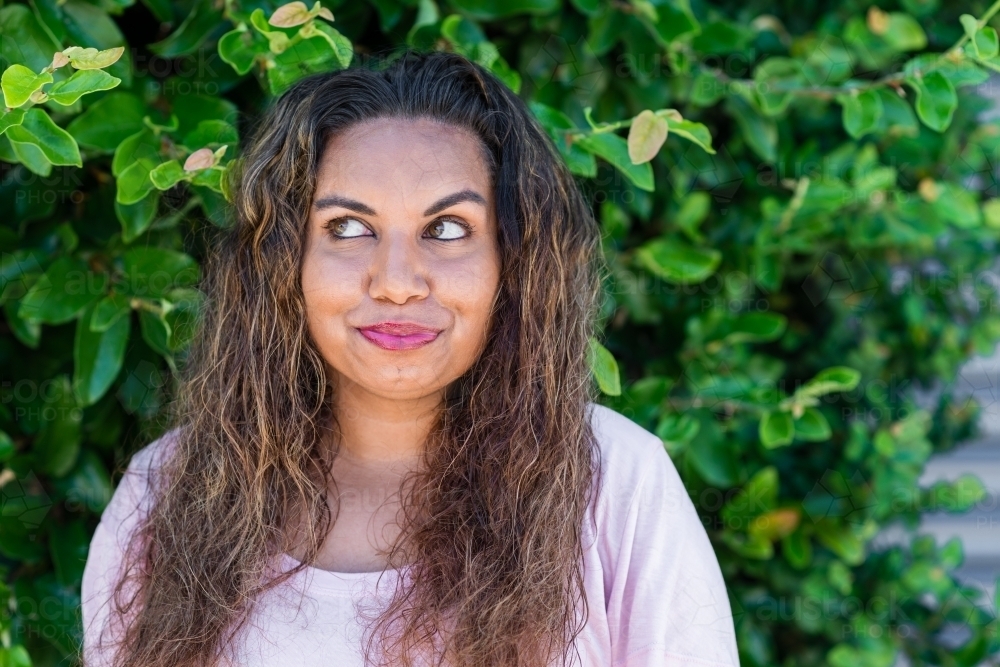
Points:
[[465, 285]]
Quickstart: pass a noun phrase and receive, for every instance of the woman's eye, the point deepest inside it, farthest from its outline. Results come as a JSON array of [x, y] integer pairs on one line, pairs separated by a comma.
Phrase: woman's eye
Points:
[[347, 228], [447, 230]]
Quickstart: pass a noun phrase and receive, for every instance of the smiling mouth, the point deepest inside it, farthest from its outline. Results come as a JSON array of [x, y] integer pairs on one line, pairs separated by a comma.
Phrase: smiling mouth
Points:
[[389, 341]]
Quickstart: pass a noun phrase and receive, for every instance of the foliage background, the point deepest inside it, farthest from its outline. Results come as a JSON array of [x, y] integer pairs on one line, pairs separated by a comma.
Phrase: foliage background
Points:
[[813, 240]]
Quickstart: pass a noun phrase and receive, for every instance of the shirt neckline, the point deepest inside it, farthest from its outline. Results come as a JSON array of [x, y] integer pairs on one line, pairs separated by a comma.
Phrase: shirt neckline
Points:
[[344, 582]]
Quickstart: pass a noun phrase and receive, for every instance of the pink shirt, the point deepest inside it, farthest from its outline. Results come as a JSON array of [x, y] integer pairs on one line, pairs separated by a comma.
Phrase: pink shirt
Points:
[[655, 592]]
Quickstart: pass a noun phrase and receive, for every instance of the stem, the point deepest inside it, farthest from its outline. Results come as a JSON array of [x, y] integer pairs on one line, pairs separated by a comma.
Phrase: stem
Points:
[[990, 13], [143, 304], [794, 205]]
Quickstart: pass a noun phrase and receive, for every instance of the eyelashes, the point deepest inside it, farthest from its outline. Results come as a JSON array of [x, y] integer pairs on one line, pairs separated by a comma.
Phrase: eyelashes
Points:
[[331, 225]]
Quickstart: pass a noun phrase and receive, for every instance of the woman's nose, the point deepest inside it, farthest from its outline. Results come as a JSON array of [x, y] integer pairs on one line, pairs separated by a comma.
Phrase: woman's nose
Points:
[[397, 270]]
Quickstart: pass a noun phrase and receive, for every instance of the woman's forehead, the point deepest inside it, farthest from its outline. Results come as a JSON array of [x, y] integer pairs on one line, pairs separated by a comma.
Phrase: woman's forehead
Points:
[[403, 154]]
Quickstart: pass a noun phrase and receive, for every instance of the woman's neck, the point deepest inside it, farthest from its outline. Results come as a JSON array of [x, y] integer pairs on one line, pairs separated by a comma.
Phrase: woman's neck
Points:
[[375, 430]]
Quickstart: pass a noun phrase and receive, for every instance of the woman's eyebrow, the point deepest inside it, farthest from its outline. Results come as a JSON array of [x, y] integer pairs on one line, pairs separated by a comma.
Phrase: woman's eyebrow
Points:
[[330, 201]]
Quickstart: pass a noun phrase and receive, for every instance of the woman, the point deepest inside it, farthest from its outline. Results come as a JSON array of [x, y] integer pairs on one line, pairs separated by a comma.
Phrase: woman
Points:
[[387, 449]]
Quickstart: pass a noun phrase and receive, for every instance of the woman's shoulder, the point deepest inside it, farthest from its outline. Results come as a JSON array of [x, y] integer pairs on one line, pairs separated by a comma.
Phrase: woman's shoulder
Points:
[[663, 590], [133, 490], [631, 456], [152, 455]]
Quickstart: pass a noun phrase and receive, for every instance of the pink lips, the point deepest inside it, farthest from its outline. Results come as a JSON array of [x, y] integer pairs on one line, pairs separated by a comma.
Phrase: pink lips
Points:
[[399, 335]]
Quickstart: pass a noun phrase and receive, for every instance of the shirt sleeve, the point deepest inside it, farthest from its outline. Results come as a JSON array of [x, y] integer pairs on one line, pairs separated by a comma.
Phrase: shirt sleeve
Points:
[[667, 603], [106, 555]]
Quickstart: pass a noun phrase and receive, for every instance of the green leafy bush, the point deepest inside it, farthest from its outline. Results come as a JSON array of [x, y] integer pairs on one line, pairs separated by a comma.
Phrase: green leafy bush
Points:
[[799, 228]]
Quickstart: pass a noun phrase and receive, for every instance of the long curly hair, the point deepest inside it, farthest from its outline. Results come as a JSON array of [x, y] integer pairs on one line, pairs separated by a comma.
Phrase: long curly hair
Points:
[[492, 532]]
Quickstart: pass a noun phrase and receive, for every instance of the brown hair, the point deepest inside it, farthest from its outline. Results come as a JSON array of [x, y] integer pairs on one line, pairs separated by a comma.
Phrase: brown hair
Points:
[[493, 523]]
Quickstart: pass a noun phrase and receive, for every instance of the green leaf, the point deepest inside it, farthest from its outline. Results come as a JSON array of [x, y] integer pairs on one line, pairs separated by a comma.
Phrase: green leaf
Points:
[[676, 429], [24, 40], [773, 78], [10, 118], [757, 328], [19, 82], [904, 33], [721, 37], [85, 81], [693, 132], [91, 128], [614, 150], [258, 19], [310, 56], [758, 496], [161, 9], [153, 272], [861, 113], [65, 289], [897, 115], [555, 123], [241, 47], [155, 332], [7, 448], [760, 133], [108, 310], [203, 19], [712, 456], [496, 9], [952, 554], [52, 141], [776, 429], [210, 178], [28, 332], [829, 380], [134, 183], [97, 356], [797, 549], [142, 145], [841, 540], [678, 262], [812, 426], [957, 205], [936, 100], [136, 218], [209, 132], [58, 443], [31, 156], [605, 369], [191, 110], [342, 48], [987, 43], [672, 22], [969, 24], [167, 175], [991, 213], [68, 548], [693, 211]]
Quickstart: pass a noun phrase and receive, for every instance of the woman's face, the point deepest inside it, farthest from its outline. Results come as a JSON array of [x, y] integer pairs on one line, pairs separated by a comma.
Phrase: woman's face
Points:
[[402, 229]]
